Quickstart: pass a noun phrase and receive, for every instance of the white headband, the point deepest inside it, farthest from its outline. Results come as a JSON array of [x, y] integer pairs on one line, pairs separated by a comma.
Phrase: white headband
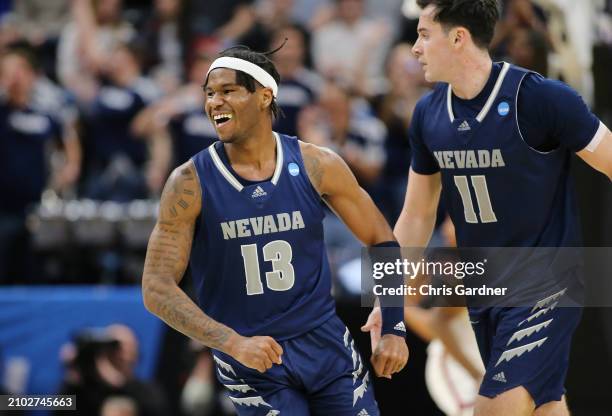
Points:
[[247, 67]]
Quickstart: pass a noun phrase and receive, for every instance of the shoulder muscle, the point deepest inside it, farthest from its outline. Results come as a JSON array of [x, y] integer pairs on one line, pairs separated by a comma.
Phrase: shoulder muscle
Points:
[[326, 170], [182, 196]]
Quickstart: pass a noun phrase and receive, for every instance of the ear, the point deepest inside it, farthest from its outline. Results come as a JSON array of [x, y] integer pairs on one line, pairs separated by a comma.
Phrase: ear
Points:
[[459, 36], [265, 98]]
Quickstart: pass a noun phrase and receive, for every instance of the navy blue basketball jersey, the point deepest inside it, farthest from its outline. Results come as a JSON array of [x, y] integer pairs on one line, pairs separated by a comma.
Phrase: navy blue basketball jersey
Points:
[[498, 190], [258, 259]]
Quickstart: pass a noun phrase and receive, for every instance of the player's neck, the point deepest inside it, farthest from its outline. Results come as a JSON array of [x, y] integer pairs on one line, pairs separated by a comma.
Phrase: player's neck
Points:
[[255, 153], [472, 75]]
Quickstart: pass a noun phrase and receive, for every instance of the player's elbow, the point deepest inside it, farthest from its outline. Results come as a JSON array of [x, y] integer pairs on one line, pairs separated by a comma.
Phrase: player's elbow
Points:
[[151, 293], [147, 296]]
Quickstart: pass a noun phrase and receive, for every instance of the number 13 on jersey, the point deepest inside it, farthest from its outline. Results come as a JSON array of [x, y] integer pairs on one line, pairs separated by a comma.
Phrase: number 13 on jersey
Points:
[[282, 276]]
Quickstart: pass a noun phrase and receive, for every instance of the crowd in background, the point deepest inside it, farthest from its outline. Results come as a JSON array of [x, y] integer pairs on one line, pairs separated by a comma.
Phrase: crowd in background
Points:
[[101, 99]]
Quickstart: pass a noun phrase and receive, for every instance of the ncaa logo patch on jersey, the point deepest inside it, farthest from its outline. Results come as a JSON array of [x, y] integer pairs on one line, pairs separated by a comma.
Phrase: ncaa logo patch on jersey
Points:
[[294, 169], [503, 108]]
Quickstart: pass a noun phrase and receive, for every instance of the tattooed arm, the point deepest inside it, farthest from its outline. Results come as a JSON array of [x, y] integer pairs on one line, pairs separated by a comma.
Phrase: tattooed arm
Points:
[[167, 256]]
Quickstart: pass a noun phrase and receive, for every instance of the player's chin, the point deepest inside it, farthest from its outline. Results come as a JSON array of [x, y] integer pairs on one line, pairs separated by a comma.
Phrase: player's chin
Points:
[[226, 136]]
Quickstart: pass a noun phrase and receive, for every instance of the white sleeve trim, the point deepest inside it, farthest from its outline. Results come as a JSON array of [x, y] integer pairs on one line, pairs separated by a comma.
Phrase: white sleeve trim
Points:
[[599, 135]]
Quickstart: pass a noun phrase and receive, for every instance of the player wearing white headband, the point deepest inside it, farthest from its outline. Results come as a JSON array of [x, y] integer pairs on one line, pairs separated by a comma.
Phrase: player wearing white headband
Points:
[[247, 214]]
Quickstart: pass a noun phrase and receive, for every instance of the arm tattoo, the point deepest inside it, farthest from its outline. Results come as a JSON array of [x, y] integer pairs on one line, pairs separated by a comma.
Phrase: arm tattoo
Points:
[[172, 305], [167, 258], [179, 193], [315, 170]]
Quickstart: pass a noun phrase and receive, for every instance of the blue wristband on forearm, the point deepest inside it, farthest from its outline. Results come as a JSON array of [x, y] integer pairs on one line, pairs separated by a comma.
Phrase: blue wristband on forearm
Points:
[[392, 310]]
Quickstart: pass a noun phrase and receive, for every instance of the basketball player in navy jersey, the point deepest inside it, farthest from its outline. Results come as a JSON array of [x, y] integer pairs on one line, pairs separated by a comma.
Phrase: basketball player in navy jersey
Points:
[[247, 214], [495, 141]]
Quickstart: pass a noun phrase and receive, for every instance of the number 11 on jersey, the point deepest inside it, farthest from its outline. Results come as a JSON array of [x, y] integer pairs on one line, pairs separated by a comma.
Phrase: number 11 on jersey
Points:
[[479, 183]]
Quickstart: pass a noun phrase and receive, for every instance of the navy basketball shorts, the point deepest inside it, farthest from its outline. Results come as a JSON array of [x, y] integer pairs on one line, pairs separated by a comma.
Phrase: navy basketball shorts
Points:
[[322, 374], [526, 346]]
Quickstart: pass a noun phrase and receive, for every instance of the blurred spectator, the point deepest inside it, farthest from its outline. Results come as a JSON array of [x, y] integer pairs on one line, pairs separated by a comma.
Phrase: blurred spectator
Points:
[[115, 157], [87, 362], [101, 365], [299, 86], [40, 22], [346, 125], [275, 14], [29, 124], [406, 84], [357, 64], [176, 126], [9, 30], [199, 395], [224, 24], [270, 15], [570, 57], [87, 42], [528, 48], [517, 14], [167, 38], [119, 406], [310, 13], [602, 62], [150, 399], [409, 20]]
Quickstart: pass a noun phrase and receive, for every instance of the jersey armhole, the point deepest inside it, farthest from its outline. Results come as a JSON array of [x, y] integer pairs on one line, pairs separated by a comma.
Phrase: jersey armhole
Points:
[[518, 127], [315, 193]]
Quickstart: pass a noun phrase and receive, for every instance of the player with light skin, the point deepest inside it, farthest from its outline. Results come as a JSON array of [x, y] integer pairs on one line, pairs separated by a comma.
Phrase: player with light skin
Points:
[[452, 48], [252, 150]]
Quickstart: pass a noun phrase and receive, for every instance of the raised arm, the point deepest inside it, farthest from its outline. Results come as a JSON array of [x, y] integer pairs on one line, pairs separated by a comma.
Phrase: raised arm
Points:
[[167, 256]]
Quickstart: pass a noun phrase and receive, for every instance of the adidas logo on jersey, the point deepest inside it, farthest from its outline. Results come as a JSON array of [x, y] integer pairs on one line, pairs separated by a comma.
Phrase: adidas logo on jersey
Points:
[[258, 192], [400, 327], [465, 126], [363, 412], [500, 377]]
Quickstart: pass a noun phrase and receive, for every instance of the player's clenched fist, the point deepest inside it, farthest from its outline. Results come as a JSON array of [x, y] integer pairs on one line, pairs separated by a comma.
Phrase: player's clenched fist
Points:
[[390, 355], [256, 352]]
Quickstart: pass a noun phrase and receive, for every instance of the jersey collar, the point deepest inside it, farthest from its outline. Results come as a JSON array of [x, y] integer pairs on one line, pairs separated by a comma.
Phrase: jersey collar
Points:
[[490, 100], [232, 179]]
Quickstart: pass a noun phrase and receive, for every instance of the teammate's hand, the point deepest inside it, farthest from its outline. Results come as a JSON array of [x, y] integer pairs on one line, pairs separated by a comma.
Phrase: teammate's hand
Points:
[[390, 355], [374, 326], [259, 353]]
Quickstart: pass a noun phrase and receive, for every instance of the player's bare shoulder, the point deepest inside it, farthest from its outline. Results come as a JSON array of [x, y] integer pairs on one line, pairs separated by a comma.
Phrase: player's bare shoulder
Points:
[[322, 166], [182, 195]]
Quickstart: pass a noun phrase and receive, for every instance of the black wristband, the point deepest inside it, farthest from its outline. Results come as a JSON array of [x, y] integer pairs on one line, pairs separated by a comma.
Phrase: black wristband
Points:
[[392, 316]]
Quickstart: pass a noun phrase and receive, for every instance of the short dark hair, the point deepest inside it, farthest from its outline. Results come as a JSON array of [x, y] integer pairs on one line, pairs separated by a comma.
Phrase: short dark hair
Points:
[[260, 59], [25, 51], [477, 16]]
